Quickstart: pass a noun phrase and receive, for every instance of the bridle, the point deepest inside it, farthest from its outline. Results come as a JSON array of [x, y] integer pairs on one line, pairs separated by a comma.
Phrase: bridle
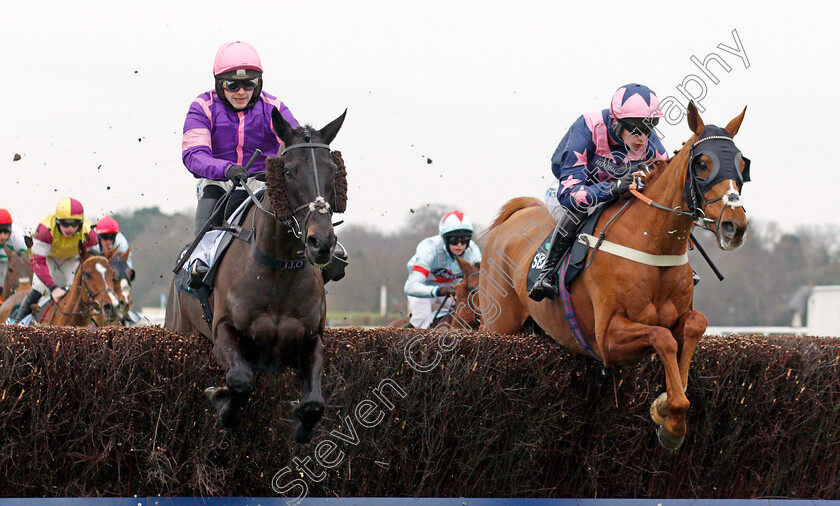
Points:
[[319, 204], [725, 159]]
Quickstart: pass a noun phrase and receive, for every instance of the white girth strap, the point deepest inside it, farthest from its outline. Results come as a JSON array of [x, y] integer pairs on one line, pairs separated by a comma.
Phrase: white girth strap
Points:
[[632, 254]]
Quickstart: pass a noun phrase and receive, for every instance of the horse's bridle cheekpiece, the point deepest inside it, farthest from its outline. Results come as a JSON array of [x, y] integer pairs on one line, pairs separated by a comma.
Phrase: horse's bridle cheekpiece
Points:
[[319, 205]]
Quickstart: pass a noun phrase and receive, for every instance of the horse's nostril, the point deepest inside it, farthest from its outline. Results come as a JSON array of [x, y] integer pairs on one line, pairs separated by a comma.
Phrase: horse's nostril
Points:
[[728, 228]]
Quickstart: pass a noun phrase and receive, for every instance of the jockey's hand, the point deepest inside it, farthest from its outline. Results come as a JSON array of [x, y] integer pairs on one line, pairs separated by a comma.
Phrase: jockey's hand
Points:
[[237, 175], [446, 290], [623, 184], [57, 293]]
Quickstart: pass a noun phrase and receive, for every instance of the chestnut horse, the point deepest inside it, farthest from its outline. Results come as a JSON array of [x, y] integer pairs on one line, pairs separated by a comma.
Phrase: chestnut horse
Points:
[[628, 309], [90, 296], [18, 275], [268, 302], [464, 313]]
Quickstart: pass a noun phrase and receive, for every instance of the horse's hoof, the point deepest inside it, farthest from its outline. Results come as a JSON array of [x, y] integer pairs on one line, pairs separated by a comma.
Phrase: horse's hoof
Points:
[[655, 415], [669, 441], [310, 412], [240, 381]]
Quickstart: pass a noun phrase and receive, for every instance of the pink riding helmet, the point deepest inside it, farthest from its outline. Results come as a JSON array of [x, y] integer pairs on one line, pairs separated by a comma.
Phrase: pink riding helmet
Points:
[[236, 56], [635, 101]]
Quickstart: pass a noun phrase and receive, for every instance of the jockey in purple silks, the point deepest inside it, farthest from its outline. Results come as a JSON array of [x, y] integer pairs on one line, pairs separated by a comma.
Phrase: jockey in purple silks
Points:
[[594, 164], [223, 129]]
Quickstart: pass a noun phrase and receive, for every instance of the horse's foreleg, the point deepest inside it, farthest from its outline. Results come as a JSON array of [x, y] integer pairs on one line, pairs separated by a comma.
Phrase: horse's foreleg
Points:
[[311, 402], [239, 380], [628, 338], [688, 332]]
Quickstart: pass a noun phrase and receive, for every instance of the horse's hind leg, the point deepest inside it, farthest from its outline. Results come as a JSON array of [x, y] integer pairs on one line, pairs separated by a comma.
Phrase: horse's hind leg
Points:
[[239, 380], [311, 402]]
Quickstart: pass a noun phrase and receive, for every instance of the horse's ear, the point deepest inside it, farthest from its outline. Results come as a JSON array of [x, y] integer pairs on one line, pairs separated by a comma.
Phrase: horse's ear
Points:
[[465, 266], [282, 127], [27, 239], [126, 253], [329, 132], [83, 252], [735, 124], [695, 122]]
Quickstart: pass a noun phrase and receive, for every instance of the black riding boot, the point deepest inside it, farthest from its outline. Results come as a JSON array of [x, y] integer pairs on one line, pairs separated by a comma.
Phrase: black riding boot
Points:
[[563, 237], [25, 308], [205, 206], [334, 270], [198, 269]]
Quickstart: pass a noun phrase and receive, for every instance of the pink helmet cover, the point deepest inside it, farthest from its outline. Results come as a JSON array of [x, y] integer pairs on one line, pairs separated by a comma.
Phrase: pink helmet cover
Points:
[[635, 101], [235, 56]]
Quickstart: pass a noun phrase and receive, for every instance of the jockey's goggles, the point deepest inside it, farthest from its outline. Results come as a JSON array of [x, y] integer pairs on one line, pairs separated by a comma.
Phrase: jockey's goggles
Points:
[[234, 84], [5, 230], [68, 223], [108, 237], [459, 239], [643, 126]]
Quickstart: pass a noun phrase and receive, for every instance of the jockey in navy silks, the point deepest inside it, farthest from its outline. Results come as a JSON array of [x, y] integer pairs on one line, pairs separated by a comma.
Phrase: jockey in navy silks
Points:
[[594, 164]]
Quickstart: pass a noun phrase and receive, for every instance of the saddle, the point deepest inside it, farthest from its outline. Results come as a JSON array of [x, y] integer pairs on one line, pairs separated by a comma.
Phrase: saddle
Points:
[[575, 263]]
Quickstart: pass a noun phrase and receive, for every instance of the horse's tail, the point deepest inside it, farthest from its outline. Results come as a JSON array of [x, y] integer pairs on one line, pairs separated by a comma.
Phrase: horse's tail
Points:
[[511, 206]]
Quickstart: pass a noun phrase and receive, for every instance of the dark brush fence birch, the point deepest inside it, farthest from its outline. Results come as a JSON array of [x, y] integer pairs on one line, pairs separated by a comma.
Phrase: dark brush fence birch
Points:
[[120, 412]]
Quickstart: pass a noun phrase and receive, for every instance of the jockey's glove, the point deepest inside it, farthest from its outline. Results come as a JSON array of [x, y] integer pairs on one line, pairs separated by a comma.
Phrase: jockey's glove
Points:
[[237, 175], [623, 184], [445, 290]]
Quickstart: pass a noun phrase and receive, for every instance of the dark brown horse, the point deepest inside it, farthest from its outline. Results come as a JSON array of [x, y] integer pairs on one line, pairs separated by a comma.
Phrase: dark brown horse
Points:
[[90, 296], [464, 313], [268, 302], [628, 309], [18, 275]]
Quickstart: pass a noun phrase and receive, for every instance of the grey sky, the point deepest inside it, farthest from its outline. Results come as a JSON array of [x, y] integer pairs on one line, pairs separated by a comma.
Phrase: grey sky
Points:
[[96, 94]]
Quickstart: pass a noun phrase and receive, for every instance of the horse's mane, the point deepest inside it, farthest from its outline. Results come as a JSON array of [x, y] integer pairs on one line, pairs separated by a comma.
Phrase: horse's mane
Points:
[[512, 206], [276, 188]]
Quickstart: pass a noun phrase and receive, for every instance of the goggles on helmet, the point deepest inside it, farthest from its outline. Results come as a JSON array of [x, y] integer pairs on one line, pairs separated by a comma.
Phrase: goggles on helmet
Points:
[[642, 126], [233, 85], [69, 223]]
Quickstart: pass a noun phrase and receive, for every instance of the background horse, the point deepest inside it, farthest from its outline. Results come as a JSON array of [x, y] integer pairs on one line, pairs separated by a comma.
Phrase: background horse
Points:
[[123, 276], [625, 309], [268, 303], [90, 295], [464, 313], [19, 274]]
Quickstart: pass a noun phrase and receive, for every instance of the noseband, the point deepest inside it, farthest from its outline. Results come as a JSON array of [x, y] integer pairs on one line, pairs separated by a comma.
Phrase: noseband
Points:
[[319, 205]]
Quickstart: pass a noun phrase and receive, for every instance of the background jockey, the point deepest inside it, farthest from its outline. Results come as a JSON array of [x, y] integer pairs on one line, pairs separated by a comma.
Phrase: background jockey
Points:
[[11, 236], [222, 130], [110, 237], [55, 253], [434, 267], [593, 164]]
